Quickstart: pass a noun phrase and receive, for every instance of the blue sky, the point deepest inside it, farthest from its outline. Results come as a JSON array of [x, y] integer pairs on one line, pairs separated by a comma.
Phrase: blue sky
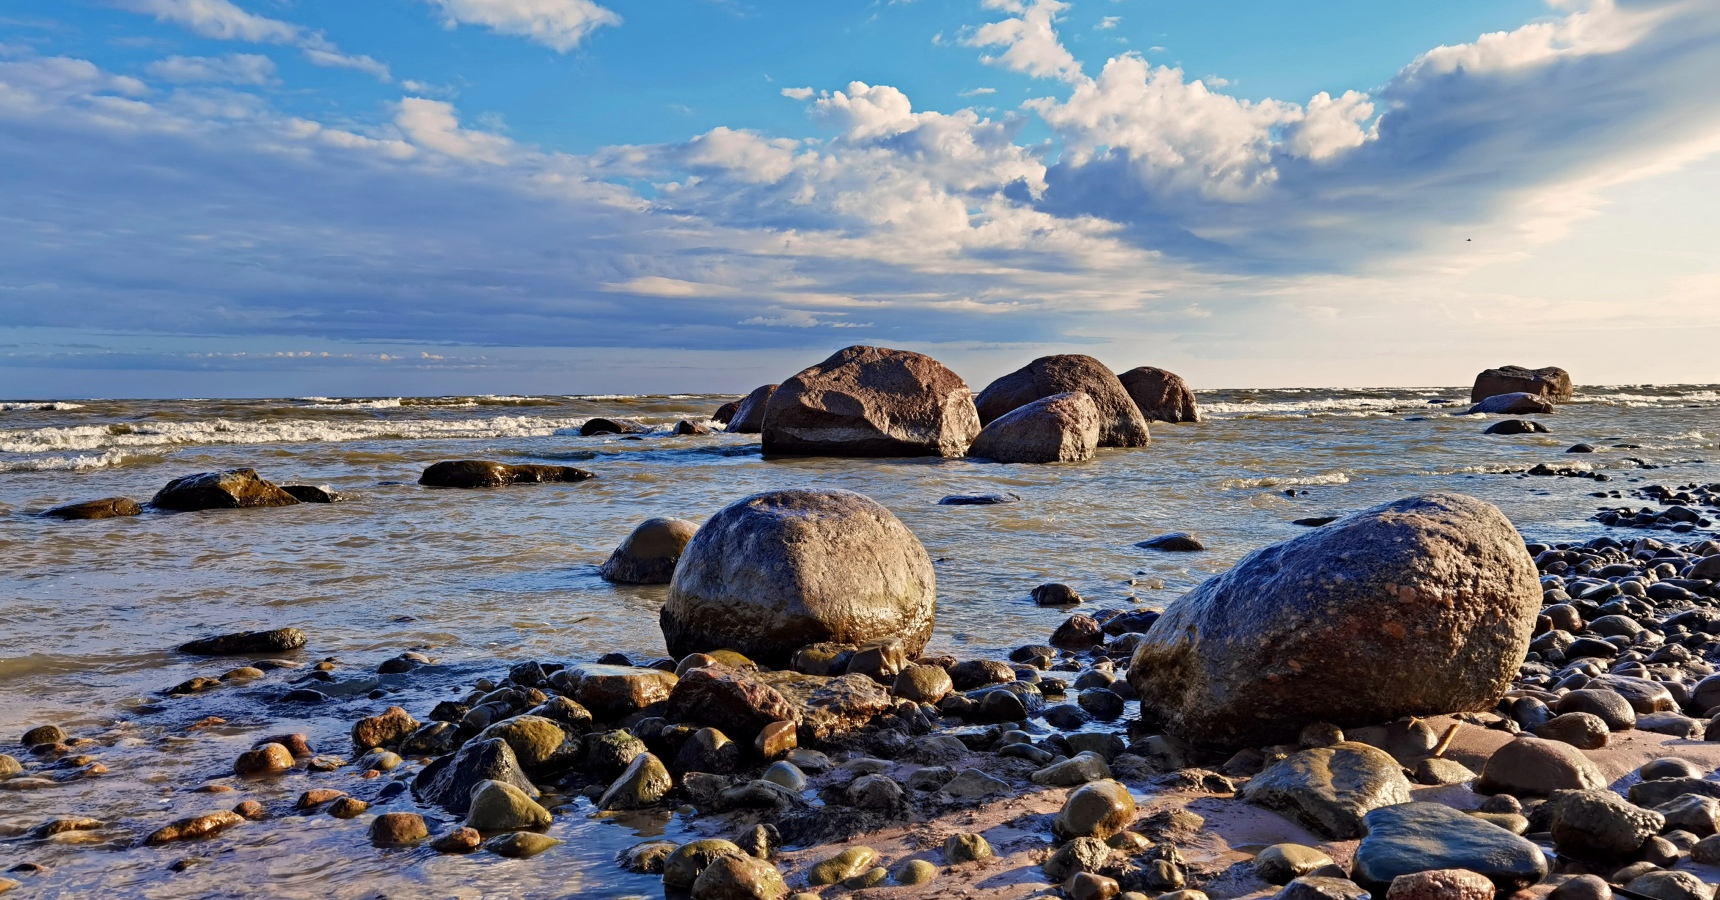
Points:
[[453, 196]]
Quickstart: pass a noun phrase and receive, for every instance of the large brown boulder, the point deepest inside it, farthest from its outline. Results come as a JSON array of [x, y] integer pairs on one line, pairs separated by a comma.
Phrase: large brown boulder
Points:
[[1551, 383], [1160, 396], [479, 473], [1058, 428], [872, 401], [232, 489], [748, 416], [106, 508], [649, 554], [1120, 421], [1416, 607], [776, 571], [1517, 404]]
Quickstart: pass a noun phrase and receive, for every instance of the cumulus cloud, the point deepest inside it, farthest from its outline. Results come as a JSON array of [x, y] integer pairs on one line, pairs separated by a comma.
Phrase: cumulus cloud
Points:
[[234, 68], [1029, 39], [558, 24]]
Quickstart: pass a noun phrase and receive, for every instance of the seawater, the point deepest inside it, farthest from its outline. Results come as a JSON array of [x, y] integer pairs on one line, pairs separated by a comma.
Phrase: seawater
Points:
[[90, 611]]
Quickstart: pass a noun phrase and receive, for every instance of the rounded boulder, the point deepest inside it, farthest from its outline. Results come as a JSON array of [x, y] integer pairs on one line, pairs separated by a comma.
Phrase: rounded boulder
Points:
[[872, 401], [1058, 428], [1120, 421], [649, 554], [1161, 396]]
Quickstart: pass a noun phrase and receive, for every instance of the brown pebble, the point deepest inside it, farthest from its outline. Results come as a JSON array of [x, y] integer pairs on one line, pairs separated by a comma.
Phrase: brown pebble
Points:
[[398, 829], [316, 797], [206, 722], [297, 744], [348, 808], [213, 789], [195, 827], [266, 759], [252, 810], [460, 840]]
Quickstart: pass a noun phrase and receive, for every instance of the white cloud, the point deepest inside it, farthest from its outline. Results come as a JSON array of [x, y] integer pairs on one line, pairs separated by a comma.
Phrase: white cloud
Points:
[[433, 125], [797, 93], [558, 24], [1329, 127], [1108, 23], [1031, 40], [234, 68], [220, 20], [978, 92]]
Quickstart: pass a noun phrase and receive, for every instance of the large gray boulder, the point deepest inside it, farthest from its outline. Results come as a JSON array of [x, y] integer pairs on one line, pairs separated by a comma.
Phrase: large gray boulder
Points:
[[1517, 404], [1120, 421], [1416, 607], [872, 401], [649, 554], [1058, 428], [1551, 383], [776, 571], [232, 489], [748, 417], [1161, 396]]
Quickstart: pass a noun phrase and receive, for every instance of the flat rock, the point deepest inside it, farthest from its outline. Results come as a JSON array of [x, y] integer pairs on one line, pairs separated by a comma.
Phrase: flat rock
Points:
[[1330, 789], [279, 640], [105, 508], [232, 489], [479, 473], [1419, 837]]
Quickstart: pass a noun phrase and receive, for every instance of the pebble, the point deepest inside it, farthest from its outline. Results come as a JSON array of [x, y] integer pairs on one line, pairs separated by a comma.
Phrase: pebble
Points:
[[459, 840], [195, 827], [520, 844], [645, 782], [348, 808], [398, 829], [1531, 766], [965, 848], [265, 760], [316, 797], [1283, 863], [252, 809], [498, 806], [870, 878], [739, 878], [1671, 886], [1098, 809], [843, 866]]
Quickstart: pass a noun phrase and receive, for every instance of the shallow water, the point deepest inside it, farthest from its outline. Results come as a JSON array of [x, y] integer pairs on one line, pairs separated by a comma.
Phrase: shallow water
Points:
[[90, 611]]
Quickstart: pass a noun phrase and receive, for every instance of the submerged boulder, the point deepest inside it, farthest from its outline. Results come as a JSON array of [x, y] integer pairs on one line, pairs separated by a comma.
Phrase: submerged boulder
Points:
[[479, 473], [599, 425], [1513, 405], [1551, 383], [1120, 421], [232, 489], [776, 571], [872, 401], [649, 554], [1161, 396], [1416, 607], [106, 508], [1058, 428], [1516, 426], [748, 416]]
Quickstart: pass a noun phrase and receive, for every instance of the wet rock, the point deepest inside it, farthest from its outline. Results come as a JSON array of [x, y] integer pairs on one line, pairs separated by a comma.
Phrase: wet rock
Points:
[[348, 808], [1515, 404], [1055, 594], [776, 571], [880, 661], [1419, 837], [684, 866], [1077, 632], [433, 739], [1055, 429], [609, 753], [836, 707], [739, 878], [647, 858], [873, 792], [965, 848], [688, 427], [649, 554], [915, 872], [520, 844], [1441, 771], [708, 750], [388, 729], [1120, 421], [1611, 708], [1088, 886], [251, 810], [1083, 854], [729, 699], [63, 825], [1441, 884], [232, 489], [978, 499], [310, 493], [1516, 426], [106, 508], [786, 774], [195, 827], [1283, 863], [1161, 396], [264, 760], [843, 866], [1585, 731], [1319, 887], [478, 473], [1101, 703], [923, 684], [972, 784], [975, 673], [496, 806], [459, 840], [872, 401], [611, 692], [1551, 383], [1098, 809], [448, 781], [1534, 767], [1597, 824], [540, 745], [645, 782], [1330, 789], [1649, 794], [776, 740], [1176, 542], [1079, 769], [750, 411], [1582, 887], [598, 425], [1670, 886], [1644, 695], [43, 735], [279, 640], [1440, 584], [872, 877]]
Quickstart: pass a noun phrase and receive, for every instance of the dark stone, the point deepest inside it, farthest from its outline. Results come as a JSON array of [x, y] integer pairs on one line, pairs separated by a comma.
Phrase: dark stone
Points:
[[596, 426], [1516, 426], [1160, 396], [448, 780], [478, 473], [1421, 837], [1177, 542], [310, 493], [232, 489], [872, 402], [749, 411], [280, 640], [979, 499], [1055, 594], [1552, 383], [107, 508]]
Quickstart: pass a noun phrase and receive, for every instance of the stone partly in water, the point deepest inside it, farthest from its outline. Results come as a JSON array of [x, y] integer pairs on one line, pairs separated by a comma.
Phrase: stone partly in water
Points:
[[749, 412], [645, 782], [311, 493], [599, 425], [611, 692], [386, 729], [479, 473], [649, 554], [232, 489], [1516, 426], [1120, 421], [1160, 396], [106, 508], [1283, 863], [777, 571], [1176, 542], [264, 760], [520, 844], [1054, 429], [872, 401], [448, 781], [398, 829], [195, 827], [1329, 789], [684, 866], [1419, 837], [1421, 606], [1551, 383], [279, 640], [1513, 405], [497, 806], [739, 878]]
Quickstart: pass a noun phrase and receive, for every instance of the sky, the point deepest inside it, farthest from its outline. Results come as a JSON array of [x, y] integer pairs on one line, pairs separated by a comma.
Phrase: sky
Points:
[[390, 197]]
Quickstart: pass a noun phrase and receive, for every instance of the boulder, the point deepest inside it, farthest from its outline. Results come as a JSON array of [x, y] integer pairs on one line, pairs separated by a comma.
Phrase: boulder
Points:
[[872, 401], [1532, 767], [497, 806], [729, 699], [1160, 396], [279, 640], [649, 554], [1058, 428], [106, 508], [739, 878], [1513, 405], [1416, 607], [232, 489], [1516, 426], [598, 425], [726, 412], [777, 571], [1551, 383], [645, 782], [448, 781], [312, 493], [1421, 837], [478, 473], [689, 427], [611, 692], [1329, 789], [1120, 421], [748, 417]]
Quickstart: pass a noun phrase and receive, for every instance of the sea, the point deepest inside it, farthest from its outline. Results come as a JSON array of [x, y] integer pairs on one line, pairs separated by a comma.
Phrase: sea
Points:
[[90, 612]]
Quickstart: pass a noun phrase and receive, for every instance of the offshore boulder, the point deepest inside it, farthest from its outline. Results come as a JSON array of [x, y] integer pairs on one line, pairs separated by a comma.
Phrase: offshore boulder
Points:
[[1161, 396], [773, 572], [1551, 383], [1120, 421], [748, 415], [1058, 428], [874, 402], [1417, 607], [232, 489], [649, 553], [480, 473]]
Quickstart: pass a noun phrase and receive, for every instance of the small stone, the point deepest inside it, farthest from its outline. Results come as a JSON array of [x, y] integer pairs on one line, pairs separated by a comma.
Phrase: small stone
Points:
[[874, 792], [195, 827], [776, 740], [1081, 769], [384, 730], [268, 759], [398, 829], [1531, 766], [645, 782], [915, 872], [1585, 731], [1582, 887], [257, 643], [252, 810], [684, 866], [316, 797], [1283, 863], [1318, 887], [923, 684], [1098, 809], [761, 842], [647, 858], [843, 866], [1599, 824], [786, 774], [739, 878], [1088, 886], [1441, 884], [972, 784], [520, 844], [1671, 886], [1176, 542], [498, 806], [1438, 770], [870, 878], [1418, 837], [1330, 789], [965, 848], [1082, 854], [460, 840], [1055, 594]]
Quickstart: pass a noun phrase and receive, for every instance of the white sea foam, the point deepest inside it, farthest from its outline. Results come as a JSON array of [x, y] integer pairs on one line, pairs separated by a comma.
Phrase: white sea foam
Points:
[[1230, 484], [52, 406], [291, 431], [1336, 406], [82, 463]]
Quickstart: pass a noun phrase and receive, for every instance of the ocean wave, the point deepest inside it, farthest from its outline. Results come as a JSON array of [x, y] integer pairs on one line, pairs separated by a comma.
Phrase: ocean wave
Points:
[[108, 460], [287, 431], [1231, 484], [51, 406], [1352, 407]]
